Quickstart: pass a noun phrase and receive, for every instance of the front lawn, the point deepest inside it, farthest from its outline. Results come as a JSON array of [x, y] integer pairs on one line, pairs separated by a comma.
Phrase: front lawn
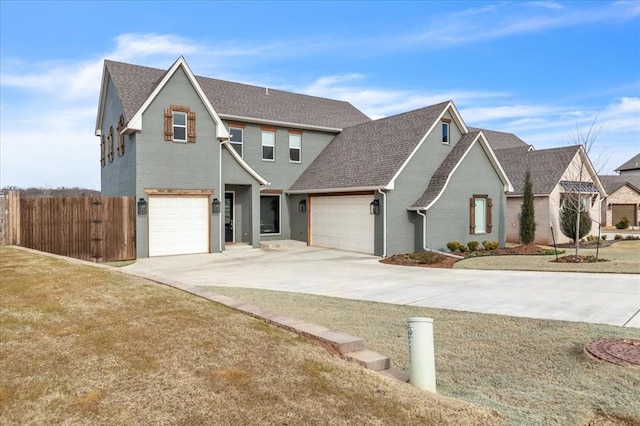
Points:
[[82, 345]]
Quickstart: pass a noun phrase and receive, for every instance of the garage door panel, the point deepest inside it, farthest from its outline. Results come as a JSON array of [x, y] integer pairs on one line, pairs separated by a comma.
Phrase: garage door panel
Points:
[[624, 210], [178, 225], [343, 222]]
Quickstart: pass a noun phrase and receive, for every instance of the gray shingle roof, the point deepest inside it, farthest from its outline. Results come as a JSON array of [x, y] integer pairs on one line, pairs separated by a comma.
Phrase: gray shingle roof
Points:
[[612, 183], [369, 154], [500, 140], [135, 83], [546, 166], [439, 178], [632, 164]]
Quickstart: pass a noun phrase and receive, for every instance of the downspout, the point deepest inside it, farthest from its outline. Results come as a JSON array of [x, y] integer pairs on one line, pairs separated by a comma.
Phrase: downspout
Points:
[[424, 238], [221, 194], [384, 222]]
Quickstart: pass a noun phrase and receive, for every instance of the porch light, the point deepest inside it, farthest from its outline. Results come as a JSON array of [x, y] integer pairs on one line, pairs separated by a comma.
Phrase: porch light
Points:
[[142, 206], [302, 206], [609, 206], [374, 207], [215, 206]]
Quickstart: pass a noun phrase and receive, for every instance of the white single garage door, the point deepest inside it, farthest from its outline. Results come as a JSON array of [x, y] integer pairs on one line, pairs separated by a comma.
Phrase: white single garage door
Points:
[[178, 225], [343, 222]]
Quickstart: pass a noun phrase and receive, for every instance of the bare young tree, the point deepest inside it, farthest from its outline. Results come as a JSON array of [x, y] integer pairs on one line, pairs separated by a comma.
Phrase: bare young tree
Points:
[[579, 194]]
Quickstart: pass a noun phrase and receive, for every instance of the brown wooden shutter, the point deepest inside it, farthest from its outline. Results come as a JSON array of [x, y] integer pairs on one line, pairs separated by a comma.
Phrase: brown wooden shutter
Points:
[[168, 125], [120, 136], [103, 161], [472, 215], [110, 139], [489, 214], [191, 126]]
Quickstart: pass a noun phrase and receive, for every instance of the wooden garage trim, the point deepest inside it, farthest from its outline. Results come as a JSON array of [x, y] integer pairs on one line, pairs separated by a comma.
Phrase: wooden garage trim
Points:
[[154, 191], [271, 192]]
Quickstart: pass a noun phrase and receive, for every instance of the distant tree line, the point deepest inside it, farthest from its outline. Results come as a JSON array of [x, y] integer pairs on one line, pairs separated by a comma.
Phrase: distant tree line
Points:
[[60, 191]]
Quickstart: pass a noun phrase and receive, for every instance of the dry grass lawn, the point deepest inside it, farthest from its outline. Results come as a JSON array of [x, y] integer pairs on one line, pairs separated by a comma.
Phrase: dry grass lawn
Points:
[[532, 371], [622, 256], [82, 345]]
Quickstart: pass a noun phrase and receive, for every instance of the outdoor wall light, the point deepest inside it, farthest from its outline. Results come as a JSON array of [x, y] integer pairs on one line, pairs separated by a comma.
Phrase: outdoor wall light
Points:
[[374, 207], [215, 206], [609, 206], [142, 206], [302, 206]]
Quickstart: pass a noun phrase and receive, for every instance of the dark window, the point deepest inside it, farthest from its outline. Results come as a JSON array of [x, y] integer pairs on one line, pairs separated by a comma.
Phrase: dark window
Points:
[[179, 126], [445, 132], [268, 145], [236, 135], [295, 146], [269, 214]]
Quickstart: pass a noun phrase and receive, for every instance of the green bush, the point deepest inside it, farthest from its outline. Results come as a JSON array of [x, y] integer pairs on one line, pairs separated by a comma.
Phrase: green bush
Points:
[[623, 224], [490, 245], [591, 237], [571, 213], [454, 245], [462, 248], [473, 245]]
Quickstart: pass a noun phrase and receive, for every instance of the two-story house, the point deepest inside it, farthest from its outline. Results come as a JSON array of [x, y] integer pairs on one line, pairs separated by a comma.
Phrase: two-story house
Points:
[[213, 163]]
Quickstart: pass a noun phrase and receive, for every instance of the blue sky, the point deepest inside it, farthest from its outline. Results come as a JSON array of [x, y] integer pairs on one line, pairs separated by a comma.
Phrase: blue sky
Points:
[[542, 70]]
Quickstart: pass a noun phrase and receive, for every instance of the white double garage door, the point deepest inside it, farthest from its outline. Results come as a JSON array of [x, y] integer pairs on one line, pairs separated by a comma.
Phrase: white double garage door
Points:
[[342, 222], [180, 224]]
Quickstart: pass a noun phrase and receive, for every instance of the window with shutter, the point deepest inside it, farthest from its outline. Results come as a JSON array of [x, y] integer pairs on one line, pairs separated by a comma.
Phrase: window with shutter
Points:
[[120, 136], [179, 124], [480, 214]]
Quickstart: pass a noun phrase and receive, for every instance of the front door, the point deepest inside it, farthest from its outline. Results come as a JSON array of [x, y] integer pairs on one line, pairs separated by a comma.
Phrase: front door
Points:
[[228, 217]]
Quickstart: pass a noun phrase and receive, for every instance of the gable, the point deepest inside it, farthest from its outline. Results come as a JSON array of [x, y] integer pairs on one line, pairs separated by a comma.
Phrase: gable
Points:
[[371, 155], [235, 101]]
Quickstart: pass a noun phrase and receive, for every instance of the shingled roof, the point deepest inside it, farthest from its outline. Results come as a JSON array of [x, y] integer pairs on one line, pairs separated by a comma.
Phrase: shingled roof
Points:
[[441, 176], [501, 140], [612, 183], [370, 154], [633, 164], [546, 166], [135, 83]]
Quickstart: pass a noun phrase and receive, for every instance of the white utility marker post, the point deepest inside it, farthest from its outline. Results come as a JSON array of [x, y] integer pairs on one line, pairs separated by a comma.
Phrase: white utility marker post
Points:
[[422, 360]]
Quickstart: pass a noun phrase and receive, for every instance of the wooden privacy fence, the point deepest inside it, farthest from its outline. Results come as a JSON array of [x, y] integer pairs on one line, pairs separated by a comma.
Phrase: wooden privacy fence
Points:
[[98, 229]]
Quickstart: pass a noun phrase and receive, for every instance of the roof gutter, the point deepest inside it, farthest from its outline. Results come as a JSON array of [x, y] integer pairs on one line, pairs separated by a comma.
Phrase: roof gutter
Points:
[[280, 123], [338, 190]]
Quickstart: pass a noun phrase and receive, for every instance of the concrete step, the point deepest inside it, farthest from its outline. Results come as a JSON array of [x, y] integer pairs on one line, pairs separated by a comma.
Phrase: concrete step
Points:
[[368, 359]]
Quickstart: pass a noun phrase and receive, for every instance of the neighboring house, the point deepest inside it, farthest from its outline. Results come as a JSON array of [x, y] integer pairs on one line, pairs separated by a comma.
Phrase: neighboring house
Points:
[[631, 167], [623, 199], [214, 163], [554, 173]]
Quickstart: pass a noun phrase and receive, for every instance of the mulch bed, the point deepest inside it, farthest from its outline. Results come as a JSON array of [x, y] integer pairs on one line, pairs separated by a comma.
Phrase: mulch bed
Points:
[[524, 250]]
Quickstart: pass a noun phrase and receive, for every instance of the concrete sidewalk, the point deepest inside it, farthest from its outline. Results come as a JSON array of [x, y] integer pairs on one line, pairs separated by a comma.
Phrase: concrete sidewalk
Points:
[[294, 267]]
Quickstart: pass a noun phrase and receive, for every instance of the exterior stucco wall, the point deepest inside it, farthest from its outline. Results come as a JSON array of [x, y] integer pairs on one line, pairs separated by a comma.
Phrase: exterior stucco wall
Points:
[[448, 219], [409, 186], [117, 177], [164, 164], [541, 217]]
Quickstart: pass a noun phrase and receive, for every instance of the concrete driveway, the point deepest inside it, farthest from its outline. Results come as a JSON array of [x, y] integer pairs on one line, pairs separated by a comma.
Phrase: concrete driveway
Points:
[[294, 267]]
